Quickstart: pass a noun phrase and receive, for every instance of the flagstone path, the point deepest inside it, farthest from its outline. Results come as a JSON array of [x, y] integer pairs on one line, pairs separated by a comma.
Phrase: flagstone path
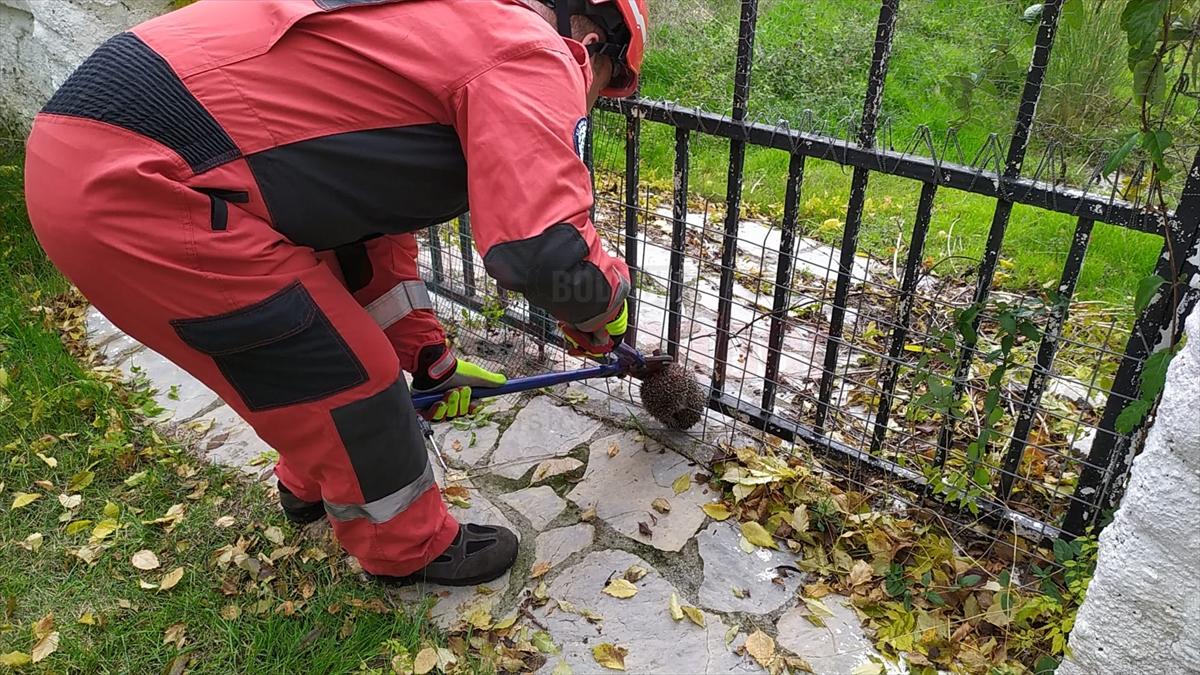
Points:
[[589, 499]]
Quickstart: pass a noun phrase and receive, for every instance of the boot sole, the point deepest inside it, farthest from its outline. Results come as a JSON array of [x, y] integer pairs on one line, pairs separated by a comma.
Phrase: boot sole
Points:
[[423, 579]]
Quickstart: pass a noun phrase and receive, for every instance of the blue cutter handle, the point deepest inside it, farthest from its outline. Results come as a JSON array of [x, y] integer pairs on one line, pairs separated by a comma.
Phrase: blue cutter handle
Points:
[[518, 384]]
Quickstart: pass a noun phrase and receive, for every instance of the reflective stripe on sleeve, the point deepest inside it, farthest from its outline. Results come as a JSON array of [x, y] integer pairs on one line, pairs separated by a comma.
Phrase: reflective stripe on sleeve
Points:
[[399, 302]]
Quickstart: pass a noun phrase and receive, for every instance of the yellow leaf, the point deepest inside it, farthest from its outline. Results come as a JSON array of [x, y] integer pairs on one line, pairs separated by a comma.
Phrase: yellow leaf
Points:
[[77, 526], [860, 573], [610, 656], [426, 661], [760, 646], [230, 612], [716, 510], [674, 608], [274, 534], [682, 484], [80, 480], [170, 579], [800, 519], [45, 647], [695, 615], [50, 462], [817, 607], [756, 534], [104, 528], [868, 668], [87, 554], [33, 542], [563, 668], [44, 626], [88, 619], [24, 499], [111, 510], [539, 569], [746, 546], [620, 588], [15, 659], [145, 560], [479, 616], [506, 623]]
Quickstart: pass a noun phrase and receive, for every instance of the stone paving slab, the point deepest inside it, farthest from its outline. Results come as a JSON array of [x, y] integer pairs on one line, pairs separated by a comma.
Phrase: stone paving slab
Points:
[[766, 580], [539, 505], [542, 430], [641, 624], [623, 487], [555, 546], [228, 440], [834, 649], [467, 447]]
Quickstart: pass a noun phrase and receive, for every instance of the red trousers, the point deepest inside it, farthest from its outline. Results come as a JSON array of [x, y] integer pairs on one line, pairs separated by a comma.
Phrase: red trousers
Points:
[[279, 336]]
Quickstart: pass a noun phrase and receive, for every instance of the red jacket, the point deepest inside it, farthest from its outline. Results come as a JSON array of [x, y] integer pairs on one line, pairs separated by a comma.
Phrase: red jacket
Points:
[[341, 120]]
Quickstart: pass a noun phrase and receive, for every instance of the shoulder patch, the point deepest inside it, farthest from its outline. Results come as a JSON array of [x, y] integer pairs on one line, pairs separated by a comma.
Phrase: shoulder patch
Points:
[[581, 132]]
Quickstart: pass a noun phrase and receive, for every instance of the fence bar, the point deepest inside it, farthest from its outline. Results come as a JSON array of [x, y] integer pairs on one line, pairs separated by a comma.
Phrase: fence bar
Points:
[[435, 254], [633, 136], [1101, 482], [858, 196], [733, 191], [908, 295], [1045, 196], [783, 280], [679, 211], [1032, 398], [1012, 168], [467, 250]]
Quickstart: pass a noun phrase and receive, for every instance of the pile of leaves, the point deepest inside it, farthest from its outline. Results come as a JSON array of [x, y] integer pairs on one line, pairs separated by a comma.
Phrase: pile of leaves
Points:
[[922, 594]]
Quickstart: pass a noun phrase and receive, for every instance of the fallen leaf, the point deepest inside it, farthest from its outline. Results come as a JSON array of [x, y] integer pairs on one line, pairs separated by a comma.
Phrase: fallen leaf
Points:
[[230, 612], [740, 593], [426, 661], [87, 554], [175, 635], [104, 529], [682, 484], [111, 510], [620, 588], [588, 515], [860, 573], [33, 542], [506, 623], [562, 668], [746, 546], [224, 521], [731, 634], [540, 592], [661, 505], [645, 529], [70, 502], [77, 526], [146, 585], [45, 647], [23, 499], [457, 491], [762, 647], [88, 619], [43, 626], [800, 519], [868, 668], [179, 664], [614, 449], [171, 519], [539, 569], [554, 467], [634, 573], [15, 659], [694, 614], [756, 534], [543, 642], [274, 535], [817, 607], [145, 560], [170, 579], [716, 510], [80, 480], [674, 608], [610, 656]]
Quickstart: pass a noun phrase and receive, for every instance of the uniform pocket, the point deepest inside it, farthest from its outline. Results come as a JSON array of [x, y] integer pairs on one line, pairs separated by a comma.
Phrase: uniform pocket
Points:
[[277, 352]]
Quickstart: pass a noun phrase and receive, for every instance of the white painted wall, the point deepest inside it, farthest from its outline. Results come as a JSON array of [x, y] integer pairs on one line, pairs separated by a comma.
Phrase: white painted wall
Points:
[[41, 42], [1142, 612]]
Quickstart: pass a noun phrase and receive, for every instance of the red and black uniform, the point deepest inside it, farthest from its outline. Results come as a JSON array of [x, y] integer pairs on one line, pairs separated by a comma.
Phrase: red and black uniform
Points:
[[235, 184]]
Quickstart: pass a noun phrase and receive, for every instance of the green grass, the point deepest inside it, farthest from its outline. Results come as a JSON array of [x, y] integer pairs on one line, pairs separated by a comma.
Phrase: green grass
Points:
[[83, 422], [815, 56]]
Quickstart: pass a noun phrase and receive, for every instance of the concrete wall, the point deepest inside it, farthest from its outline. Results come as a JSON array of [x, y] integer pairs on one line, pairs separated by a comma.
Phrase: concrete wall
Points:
[[1142, 612], [41, 42]]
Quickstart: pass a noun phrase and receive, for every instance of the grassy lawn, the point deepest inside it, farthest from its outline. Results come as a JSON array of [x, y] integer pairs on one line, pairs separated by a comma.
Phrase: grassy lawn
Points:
[[75, 442], [815, 56]]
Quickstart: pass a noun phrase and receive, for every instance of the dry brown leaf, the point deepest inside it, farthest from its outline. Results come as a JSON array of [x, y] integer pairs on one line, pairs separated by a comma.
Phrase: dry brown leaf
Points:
[[539, 569], [661, 505], [170, 579], [634, 573], [43, 626], [175, 635], [145, 560], [274, 535], [694, 614], [224, 521], [33, 542], [146, 585], [70, 501], [860, 573], [610, 656], [588, 515], [620, 588], [230, 612], [427, 660], [762, 647], [614, 449], [44, 647]]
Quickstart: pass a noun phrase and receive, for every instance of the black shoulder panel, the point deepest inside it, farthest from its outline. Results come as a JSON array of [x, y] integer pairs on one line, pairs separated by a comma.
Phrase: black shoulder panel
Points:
[[552, 271], [127, 84]]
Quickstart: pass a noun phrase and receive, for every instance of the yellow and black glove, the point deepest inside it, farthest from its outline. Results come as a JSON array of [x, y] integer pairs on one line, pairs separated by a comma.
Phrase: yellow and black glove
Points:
[[598, 342], [456, 382]]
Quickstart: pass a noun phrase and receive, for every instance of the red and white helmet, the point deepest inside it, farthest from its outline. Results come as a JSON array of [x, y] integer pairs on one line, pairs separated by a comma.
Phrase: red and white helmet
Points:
[[624, 25]]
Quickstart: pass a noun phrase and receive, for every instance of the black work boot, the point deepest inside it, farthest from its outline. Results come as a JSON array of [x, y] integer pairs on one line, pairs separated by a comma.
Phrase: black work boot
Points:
[[297, 510], [478, 554]]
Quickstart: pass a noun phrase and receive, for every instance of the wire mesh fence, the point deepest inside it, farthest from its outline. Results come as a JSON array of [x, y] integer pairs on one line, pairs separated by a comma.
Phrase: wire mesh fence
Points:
[[901, 365]]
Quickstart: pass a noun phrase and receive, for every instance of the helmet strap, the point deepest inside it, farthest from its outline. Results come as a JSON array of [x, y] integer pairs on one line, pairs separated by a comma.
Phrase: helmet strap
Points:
[[562, 12]]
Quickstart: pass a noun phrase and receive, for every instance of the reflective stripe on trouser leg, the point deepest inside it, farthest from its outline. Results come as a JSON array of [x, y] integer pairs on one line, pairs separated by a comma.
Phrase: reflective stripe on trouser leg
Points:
[[399, 301]]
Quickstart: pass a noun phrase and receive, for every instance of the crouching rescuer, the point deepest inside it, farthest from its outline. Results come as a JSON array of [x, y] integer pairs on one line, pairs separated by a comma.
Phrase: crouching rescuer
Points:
[[237, 184]]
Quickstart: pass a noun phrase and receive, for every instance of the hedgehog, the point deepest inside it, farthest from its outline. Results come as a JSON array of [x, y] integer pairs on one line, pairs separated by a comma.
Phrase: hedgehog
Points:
[[672, 397]]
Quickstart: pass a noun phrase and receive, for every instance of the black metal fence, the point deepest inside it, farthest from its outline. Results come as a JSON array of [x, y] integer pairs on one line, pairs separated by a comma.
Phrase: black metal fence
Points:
[[843, 355]]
